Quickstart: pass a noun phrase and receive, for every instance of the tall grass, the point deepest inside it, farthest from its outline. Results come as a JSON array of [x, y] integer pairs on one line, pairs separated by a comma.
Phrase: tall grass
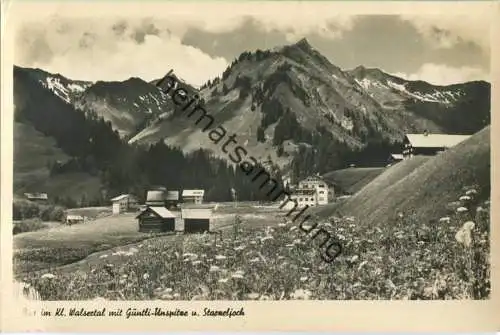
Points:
[[399, 259]]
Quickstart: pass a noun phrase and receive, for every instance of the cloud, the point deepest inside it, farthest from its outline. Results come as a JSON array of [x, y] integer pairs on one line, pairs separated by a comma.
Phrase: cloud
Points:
[[440, 74], [114, 50], [445, 31]]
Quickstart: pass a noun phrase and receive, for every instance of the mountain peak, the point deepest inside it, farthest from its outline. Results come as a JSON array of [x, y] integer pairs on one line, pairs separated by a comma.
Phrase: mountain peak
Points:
[[304, 44]]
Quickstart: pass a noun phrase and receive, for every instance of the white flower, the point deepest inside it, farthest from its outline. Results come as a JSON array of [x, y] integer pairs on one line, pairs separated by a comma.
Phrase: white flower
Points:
[[301, 294], [363, 263], [464, 198], [241, 247], [464, 234], [237, 276], [462, 209], [220, 257], [445, 219], [480, 209], [266, 238], [303, 278], [145, 276], [281, 225], [223, 280], [196, 262], [103, 256], [471, 191], [214, 268], [254, 260], [293, 228], [253, 295], [48, 276]]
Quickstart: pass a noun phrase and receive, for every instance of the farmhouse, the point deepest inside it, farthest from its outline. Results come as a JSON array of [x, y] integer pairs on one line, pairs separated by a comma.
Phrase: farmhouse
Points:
[[155, 197], [172, 199], [124, 203], [320, 187], [429, 144], [311, 191], [72, 219], [37, 197], [196, 220], [394, 158], [193, 196], [156, 220]]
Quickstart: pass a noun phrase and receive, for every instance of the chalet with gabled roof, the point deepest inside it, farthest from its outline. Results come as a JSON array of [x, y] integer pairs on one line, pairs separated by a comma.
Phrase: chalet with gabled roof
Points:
[[429, 144]]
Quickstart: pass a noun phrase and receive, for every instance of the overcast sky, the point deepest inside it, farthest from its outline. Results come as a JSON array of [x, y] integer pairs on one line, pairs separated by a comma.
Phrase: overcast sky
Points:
[[442, 49]]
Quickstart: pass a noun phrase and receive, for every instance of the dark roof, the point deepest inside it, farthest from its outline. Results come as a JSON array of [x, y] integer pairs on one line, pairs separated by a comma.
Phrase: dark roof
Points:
[[160, 211]]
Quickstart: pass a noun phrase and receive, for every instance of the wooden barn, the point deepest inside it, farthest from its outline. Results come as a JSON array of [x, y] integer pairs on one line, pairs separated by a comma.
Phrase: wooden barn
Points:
[[124, 203], [172, 199], [74, 219], [193, 196], [156, 197], [156, 220], [429, 144], [196, 220], [37, 197]]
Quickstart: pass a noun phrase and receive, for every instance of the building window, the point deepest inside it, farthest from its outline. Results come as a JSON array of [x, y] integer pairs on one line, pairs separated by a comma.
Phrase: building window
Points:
[[321, 192], [312, 199], [321, 199], [300, 199], [321, 185]]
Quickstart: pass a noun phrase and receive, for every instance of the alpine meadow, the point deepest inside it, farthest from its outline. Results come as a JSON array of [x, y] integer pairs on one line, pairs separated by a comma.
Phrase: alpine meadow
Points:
[[343, 158]]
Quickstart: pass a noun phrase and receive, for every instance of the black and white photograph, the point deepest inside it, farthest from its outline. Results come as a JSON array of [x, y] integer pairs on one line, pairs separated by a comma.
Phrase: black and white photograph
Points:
[[245, 154]]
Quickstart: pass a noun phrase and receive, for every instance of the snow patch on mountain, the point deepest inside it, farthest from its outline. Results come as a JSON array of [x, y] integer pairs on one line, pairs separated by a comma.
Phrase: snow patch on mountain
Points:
[[62, 90]]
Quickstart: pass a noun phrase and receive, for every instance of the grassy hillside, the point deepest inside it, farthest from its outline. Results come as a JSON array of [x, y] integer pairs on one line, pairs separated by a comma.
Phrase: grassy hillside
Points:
[[423, 186], [352, 180], [32, 153]]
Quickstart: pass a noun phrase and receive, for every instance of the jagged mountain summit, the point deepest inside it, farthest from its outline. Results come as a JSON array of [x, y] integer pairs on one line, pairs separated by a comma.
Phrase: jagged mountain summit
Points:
[[278, 102]]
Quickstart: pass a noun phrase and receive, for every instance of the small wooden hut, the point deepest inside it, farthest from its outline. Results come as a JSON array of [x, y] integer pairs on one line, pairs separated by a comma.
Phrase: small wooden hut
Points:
[[196, 220], [156, 220]]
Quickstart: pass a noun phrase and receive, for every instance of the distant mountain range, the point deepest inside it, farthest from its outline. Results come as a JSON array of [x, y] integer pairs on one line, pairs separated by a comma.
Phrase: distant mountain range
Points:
[[276, 101]]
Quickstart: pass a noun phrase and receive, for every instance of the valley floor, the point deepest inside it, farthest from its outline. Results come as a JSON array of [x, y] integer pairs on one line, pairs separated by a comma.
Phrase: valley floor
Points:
[[267, 258]]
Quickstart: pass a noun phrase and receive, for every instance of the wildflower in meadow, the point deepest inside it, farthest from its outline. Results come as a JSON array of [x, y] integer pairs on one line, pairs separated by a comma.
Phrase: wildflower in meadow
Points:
[[214, 268], [293, 228], [301, 294], [103, 256], [145, 276], [237, 276], [464, 198], [254, 260], [444, 219], [48, 276], [362, 264], [471, 191], [290, 245], [281, 225], [239, 248], [223, 280], [253, 296], [464, 234], [196, 262], [220, 257], [462, 209], [266, 238], [304, 278]]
